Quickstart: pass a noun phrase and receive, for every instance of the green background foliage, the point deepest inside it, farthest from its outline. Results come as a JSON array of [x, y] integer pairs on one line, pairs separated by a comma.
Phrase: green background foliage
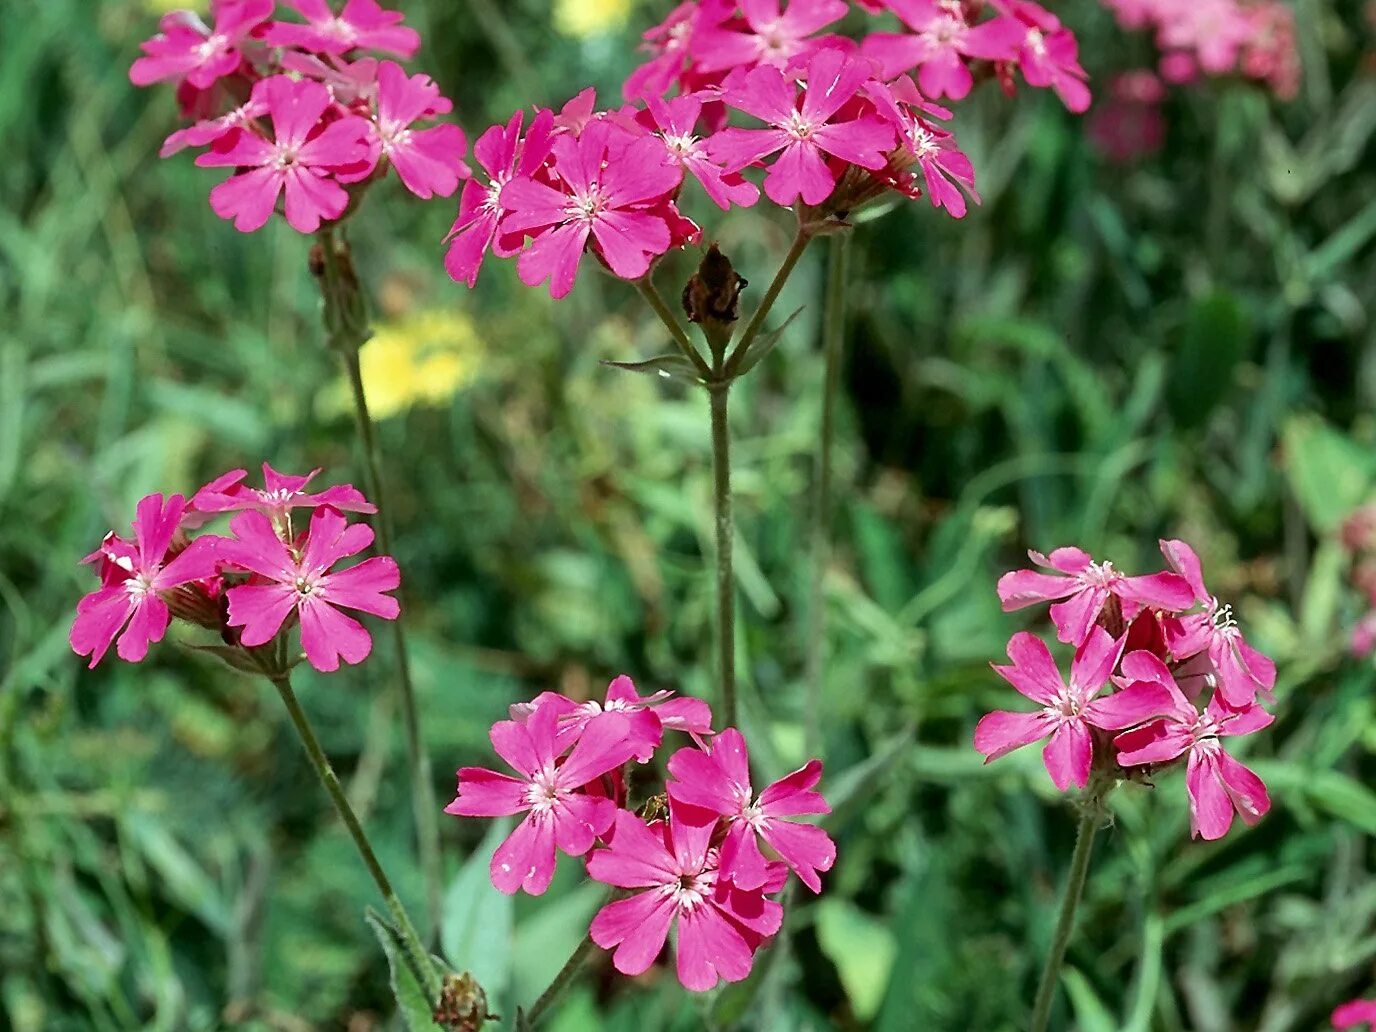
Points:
[[1098, 355]]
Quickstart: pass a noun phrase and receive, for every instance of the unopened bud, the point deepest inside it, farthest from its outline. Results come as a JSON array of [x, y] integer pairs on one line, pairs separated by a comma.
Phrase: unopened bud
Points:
[[462, 1005], [712, 297]]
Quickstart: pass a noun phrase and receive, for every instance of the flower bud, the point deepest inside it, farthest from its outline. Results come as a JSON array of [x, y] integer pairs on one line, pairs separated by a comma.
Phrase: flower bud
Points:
[[462, 1006], [712, 298]]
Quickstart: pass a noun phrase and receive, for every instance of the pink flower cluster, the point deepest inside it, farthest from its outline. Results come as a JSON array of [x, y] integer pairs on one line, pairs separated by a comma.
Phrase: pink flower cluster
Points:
[[1358, 535], [1161, 672], [299, 110], [1251, 38], [843, 122], [250, 587], [693, 863]]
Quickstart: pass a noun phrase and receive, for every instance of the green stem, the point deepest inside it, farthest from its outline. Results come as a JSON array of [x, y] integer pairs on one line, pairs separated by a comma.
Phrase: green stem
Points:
[[346, 324], [655, 300], [756, 324], [726, 584], [1065, 923], [833, 335], [415, 950], [566, 975]]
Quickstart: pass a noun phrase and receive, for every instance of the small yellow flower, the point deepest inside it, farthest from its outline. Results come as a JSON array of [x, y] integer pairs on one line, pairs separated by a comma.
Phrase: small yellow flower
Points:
[[584, 18], [421, 359]]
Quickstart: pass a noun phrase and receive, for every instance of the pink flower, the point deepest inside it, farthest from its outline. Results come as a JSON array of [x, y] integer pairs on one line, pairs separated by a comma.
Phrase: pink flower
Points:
[[204, 133], [133, 577], [503, 155], [429, 161], [362, 23], [675, 122], [1239, 671], [803, 132], [647, 717], [607, 180], [1068, 710], [719, 924], [1048, 54], [280, 494], [1085, 586], [1218, 785], [1354, 1013], [185, 49], [946, 172], [668, 44], [558, 813], [771, 35], [718, 781], [300, 582], [1363, 640], [298, 160], [942, 42]]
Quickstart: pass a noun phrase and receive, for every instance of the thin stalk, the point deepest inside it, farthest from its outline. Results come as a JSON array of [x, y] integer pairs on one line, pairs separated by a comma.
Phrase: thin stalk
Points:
[[1065, 923], [346, 324], [833, 333], [771, 294], [726, 584], [415, 950], [566, 975], [657, 304]]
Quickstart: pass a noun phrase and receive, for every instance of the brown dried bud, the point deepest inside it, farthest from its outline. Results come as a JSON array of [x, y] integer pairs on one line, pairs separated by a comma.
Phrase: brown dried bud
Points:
[[713, 293], [1111, 617], [462, 1006]]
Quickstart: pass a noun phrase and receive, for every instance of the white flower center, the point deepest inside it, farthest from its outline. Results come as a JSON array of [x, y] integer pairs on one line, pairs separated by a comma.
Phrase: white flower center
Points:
[[585, 207], [1223, 619], [946, 30], [307, 587], [680, 146], [798, 127], [338, 28], [541, 793], [138, 586], [691, 889], [1036, 42], [212, 47], [1099, 575], [394, 138]]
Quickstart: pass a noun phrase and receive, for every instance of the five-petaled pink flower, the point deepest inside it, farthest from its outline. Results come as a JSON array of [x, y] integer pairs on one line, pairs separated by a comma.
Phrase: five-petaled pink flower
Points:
[[548, 792], [133, 576], [1048, 54], [675, 122], [185, 49], [717, 781], [719, 924], [362, 23], [941, 42], [503, 155], [1218, 785], [770, 35], [1068, 710], [947, 174], [280, 493], [1239, 671], [1353, 1013], [1085, 586], [607, 181], [803, 131], [429, 161], [298, 160], [299, 581]]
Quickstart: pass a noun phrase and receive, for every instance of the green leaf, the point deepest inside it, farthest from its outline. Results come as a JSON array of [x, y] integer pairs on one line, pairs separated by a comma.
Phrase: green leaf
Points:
[[670, 367], [1214, 341], [759, 347], [231, 655], [1091, 1014], [1330, 473], [412, 1002], [863, 950], [478, 922]]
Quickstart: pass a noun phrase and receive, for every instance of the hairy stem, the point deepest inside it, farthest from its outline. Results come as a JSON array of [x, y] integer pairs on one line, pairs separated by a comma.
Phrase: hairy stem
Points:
[[346, 324], [561, 981], [415, 950], [655, 300], [726, 583], [1065, 922], [833, 332], [771, 294]]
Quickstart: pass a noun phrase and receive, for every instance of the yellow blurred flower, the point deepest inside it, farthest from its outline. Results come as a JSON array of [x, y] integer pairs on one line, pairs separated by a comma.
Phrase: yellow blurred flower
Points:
[[168, 6], [584, 18], [421, 359]]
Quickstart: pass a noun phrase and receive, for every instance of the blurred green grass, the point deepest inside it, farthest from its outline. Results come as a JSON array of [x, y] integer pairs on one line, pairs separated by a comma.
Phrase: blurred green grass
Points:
[[1098, 355]]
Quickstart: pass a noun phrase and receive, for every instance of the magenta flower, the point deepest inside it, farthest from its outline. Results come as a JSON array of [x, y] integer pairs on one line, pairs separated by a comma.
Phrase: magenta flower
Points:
[[206, 132], [1048, 54], [946, 173], [668, 44], [362, 23], [1353, 1013], [770, 35], [133, 578], [558, 813], [1239, 671], [184, 49], [1218, 785], [429, 161], [298, 160], [675, 122], [299, 582], [503, 155], [1085, 587], [647, 717], [803, 132], [1068, 710], [606, 182], [941, 42], [717, 781], [279, 494], [719, 924]]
